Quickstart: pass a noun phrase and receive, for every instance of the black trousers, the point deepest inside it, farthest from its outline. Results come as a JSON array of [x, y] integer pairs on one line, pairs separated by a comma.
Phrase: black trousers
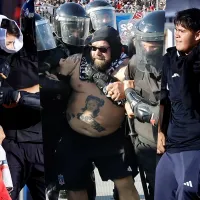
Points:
[[147, 156], [26, 165]]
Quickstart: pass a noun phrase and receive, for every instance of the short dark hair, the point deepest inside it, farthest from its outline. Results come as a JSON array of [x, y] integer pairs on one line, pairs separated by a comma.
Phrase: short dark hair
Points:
[[189, 19], [11, 27]]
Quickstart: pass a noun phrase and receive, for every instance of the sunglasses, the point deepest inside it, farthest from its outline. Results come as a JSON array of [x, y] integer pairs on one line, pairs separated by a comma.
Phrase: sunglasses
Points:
[[101, 49]]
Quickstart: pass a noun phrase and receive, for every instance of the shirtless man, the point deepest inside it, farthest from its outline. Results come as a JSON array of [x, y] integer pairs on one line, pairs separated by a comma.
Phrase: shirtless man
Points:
[[96, 123]]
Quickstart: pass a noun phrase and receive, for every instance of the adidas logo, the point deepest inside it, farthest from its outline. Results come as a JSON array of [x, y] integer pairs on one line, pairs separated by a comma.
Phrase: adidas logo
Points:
[[189, 183], [129, 169], [175, 75]]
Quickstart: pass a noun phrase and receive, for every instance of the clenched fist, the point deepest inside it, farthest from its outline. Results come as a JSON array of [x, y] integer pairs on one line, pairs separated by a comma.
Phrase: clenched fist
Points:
[[116, 90]]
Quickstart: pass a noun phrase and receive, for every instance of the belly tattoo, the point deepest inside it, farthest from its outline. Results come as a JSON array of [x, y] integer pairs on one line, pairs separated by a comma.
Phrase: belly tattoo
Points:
[[91, 111]]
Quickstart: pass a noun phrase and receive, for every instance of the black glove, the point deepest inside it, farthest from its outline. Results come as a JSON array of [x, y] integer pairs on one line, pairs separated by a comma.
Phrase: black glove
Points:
[[30, 100], [52, 61], [8, 96], [5, 69], [142, 112], [51, 89], [142, 109]]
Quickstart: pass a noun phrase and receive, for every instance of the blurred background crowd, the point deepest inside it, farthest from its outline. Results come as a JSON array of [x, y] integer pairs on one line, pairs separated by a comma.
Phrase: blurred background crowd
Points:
[[12, 8]]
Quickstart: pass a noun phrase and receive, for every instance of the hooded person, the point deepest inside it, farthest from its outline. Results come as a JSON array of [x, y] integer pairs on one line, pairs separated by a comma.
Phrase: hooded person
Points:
[[110, 35], [92, 69], [11, 38], [11, 41], [88, 70]]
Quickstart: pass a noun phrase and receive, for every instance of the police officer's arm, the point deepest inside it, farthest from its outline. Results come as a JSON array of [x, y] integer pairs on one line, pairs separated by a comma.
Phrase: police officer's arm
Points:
[[68, 65], [31, 100], [52, 59], [52, 88], [119, 73], [141, 109], [28, 97], [116, 89]]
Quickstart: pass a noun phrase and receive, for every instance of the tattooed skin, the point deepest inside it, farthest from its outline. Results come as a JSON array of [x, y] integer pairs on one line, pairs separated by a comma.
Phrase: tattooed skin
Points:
[[90, 111]]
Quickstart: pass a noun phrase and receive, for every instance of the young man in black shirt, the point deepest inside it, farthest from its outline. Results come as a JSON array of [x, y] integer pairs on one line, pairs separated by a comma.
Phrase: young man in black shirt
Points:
[[177, 173]]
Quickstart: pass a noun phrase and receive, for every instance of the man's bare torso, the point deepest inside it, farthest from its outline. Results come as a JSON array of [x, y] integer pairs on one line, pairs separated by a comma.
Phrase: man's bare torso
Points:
[[89, 111]]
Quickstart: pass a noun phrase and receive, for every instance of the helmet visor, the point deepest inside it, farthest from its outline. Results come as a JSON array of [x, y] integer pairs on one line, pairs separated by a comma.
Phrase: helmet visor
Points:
[[44, 36]]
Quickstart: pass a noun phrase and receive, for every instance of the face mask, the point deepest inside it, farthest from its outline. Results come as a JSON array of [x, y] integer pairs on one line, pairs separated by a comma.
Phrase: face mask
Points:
[[18, 43]]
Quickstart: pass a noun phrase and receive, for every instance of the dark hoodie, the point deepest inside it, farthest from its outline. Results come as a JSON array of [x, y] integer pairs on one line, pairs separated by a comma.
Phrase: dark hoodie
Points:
[[181, 84]]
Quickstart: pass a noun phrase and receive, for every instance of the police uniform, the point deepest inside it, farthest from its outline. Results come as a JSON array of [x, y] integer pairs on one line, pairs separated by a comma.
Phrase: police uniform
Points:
[[144, 68], [54, 94]]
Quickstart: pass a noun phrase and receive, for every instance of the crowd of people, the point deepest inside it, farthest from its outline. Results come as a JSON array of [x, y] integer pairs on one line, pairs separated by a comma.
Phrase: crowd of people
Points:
[[120, 6], [76, 98]]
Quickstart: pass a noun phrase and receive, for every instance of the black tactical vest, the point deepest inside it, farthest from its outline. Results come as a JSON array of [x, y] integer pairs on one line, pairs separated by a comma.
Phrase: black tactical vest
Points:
[[147, 86]]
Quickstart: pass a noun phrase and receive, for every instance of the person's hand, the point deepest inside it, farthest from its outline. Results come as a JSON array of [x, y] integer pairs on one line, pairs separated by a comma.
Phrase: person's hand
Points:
[[161, 143], [8, 96], [128, 84], [68, 65], [129, 111], [2, 135], [52, 76], [116, 91], [2, 76]]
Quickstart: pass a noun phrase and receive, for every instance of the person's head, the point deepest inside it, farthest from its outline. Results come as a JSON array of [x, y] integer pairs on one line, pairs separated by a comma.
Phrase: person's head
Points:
[[149, 37], [149, 34], [152, 48], [105, 47], [101, 54], [187, 26], [101, 14], [72, 24], [10, 35], [12, 32]]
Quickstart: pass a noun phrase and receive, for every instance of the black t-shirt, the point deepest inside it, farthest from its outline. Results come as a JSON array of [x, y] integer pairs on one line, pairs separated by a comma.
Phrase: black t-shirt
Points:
[[184, 128]]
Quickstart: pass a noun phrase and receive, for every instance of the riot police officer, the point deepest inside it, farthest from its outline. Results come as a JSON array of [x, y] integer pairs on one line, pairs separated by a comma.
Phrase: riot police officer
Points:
[[101, 14], [145, 69], [71, 25], [53, 93], [22, 125], [71, 30]]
